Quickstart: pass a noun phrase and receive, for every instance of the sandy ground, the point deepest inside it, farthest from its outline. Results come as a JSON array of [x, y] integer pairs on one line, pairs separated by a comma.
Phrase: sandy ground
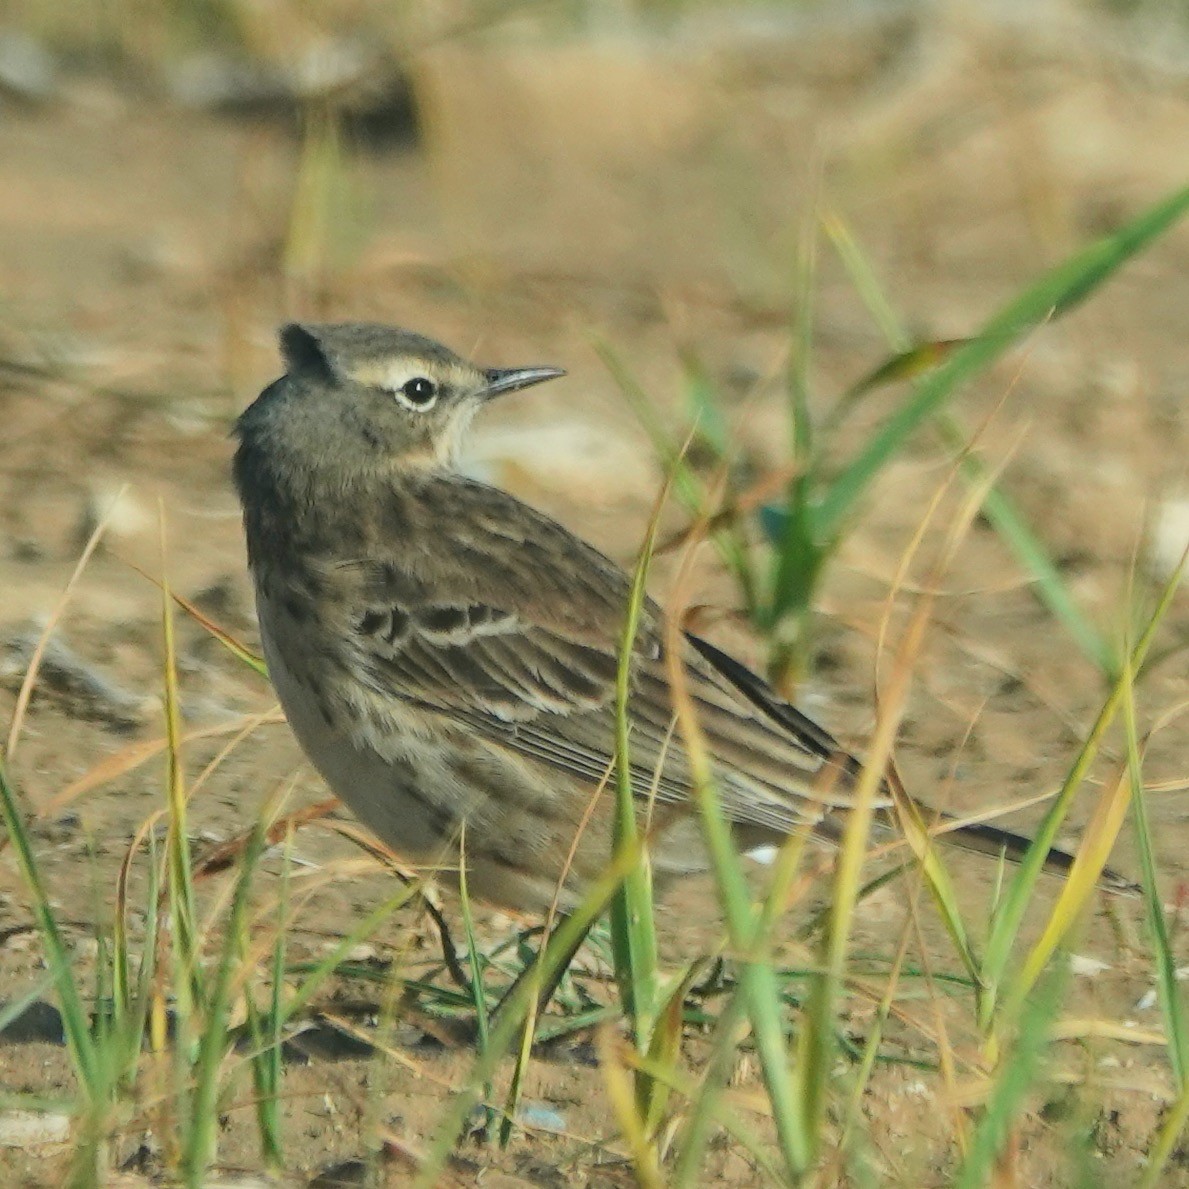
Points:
[[649, 197]]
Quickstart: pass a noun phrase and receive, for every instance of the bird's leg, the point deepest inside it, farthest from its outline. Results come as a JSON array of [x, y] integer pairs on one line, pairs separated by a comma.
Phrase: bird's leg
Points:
[[446, 939]]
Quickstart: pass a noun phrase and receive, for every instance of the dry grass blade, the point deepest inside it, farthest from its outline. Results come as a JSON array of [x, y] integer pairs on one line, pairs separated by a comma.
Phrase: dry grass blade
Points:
[[758, 979], [228, 853], [1081, 883], [26, 690], [132, 757], [238, 650], [622, 1093]]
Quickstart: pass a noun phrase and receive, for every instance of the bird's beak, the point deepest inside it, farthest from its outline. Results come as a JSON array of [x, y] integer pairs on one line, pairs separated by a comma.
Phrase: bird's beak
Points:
[[512, 379]]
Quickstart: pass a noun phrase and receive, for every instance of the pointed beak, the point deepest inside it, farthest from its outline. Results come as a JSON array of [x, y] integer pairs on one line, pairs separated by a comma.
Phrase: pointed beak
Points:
[[512, 379]]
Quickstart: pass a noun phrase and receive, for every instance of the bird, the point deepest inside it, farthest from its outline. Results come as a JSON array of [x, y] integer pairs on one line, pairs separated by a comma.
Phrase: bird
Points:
[[447, 655]]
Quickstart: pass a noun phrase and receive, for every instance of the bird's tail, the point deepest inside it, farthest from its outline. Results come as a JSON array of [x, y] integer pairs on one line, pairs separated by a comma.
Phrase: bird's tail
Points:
[[976, 837], [981, 838]]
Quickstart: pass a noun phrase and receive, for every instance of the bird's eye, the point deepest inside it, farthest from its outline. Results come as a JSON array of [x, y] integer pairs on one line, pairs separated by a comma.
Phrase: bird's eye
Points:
[[419, 393]]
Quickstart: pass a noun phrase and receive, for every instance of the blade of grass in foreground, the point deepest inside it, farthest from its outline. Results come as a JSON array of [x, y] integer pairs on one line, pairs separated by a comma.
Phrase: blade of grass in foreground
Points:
[[1079, 885], [797, 561], [224, 637], [624, 1098], [729, 538], [179, 878], [513, 1012], [1014, 1078], [1054, 294], [1049, 587], [267, 1032], [474, 958], [1172, 1000], [911, 361], [75, 1019], [633, 916], [201, 1126], [757, 978], [1171, 1134], [1006, 925]]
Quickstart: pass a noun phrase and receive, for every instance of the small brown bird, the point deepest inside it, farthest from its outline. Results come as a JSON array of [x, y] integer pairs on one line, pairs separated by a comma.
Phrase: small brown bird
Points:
[[446, 654]]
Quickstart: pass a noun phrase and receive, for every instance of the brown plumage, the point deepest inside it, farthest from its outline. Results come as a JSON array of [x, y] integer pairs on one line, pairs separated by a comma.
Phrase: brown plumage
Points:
[[447, 654]]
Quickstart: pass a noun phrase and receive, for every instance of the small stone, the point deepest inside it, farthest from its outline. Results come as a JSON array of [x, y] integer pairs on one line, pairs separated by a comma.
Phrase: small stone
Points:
[[1168, 537], [764, 855], [81, 689], [32, 1129], [541, 1117], [27, 71], [1087, 967]]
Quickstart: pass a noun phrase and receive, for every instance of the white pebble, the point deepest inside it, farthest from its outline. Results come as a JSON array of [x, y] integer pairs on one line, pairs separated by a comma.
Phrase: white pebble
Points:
[[30, 1129], [1087, 967], [1168, 537]]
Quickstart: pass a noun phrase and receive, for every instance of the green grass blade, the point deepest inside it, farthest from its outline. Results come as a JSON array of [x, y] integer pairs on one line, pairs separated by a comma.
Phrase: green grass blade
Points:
[[704, 1106], [1171, 997], [180, 880], [203, 1123], [75, 1018], [862, 275], [512, 1014], [633, 911], [694, 1093], [1055, 293], [801, 356], [1172, 1134], [320, 971], [686, 484], [1048, 585], [267, 1033], [474, 958], [633, 916], [1014, 1078], [910, 361], [1006, 924], [798, 559], [757, 977]]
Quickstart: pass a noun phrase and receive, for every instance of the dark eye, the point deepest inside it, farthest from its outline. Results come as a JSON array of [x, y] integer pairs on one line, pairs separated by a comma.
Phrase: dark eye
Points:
[[419, 392]]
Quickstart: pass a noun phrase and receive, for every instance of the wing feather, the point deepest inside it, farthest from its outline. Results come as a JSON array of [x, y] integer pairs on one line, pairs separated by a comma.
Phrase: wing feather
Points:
[[518, 640]]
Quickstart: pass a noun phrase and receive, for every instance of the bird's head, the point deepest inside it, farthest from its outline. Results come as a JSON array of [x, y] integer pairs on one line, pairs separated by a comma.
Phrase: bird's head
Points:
[[361, 391]]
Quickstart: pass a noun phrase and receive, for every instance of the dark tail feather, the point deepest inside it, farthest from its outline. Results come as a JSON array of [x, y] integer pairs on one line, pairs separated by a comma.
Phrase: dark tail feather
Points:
[[984, 839], [980, 838]]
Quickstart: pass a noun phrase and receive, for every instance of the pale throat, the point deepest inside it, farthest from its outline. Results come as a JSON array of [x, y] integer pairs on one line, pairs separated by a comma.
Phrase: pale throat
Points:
[[448, 447]]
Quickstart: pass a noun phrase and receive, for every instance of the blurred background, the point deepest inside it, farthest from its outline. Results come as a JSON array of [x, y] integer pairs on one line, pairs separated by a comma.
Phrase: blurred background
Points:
[[518, 178], [713, 194], [673, 185]]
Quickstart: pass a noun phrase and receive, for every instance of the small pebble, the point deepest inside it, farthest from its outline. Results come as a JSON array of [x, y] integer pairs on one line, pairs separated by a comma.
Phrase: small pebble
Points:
[[1087, 967], [541, 1118], [27, 71], [32, 1129], [1169, 537]]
